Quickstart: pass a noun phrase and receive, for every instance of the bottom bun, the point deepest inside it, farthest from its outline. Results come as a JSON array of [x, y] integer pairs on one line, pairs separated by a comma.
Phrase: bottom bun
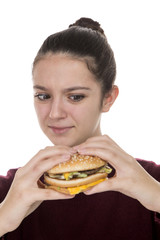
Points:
[[58, 189], [75, 190]]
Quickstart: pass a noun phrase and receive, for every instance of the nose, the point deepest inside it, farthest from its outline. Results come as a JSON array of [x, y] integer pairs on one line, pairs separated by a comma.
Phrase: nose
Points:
[[58, 110]]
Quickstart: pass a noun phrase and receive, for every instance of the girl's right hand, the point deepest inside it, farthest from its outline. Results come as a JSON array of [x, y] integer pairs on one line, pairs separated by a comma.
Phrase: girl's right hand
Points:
[[24, 195]]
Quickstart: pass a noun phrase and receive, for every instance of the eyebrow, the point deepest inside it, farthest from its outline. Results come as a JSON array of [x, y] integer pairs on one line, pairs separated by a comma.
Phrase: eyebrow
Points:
[[40, 87], [65, 90], [76, 88]]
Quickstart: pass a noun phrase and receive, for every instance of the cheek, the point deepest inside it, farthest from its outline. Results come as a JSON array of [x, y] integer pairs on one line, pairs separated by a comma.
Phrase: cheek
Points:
[[86, 115], [78, 113], [42, 111]]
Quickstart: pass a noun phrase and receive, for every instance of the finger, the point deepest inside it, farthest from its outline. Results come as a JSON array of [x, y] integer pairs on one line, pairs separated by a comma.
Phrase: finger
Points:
[[45, 165], [108, 185], [90, 140], [49, 152], [107, 154], [100, 141], [50, 194], [35, 171], [98, 138], [115, 156]]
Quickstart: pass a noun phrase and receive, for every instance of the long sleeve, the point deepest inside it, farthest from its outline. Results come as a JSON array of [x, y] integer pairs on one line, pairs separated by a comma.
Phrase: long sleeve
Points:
[[108, 215], [5, 183]]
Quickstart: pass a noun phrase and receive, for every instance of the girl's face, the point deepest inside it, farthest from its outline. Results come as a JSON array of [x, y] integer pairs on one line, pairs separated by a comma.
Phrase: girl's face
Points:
[[67, 100]]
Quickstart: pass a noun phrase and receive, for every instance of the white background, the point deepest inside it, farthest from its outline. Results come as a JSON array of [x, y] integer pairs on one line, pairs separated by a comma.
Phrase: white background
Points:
[[133, 31]]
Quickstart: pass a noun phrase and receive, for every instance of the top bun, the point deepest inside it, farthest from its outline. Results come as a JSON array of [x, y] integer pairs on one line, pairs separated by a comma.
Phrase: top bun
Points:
[[78, 163], [88, 23]]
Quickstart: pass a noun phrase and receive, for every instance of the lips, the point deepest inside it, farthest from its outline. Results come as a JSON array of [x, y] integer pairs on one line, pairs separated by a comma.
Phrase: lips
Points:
[[60, 130]]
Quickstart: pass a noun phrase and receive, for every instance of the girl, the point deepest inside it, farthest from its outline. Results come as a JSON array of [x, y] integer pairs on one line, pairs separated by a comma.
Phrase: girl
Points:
[[73, 81]]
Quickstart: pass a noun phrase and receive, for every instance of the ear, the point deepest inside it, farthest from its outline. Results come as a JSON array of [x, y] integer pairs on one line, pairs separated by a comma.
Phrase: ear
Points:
[[110, 98]]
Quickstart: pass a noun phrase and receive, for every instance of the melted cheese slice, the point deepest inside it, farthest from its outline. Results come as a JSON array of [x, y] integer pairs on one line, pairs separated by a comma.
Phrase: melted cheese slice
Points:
[[66, 175], [76, 190]]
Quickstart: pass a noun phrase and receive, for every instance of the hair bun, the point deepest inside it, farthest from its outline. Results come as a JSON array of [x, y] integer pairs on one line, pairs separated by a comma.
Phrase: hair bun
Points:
[[88, 23]]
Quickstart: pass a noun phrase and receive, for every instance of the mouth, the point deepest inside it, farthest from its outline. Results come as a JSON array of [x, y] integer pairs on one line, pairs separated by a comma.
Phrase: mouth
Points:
[[60, 130]]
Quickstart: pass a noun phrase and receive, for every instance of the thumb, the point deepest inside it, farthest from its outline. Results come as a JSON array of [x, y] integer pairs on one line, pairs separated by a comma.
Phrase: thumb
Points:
[[110, 184]]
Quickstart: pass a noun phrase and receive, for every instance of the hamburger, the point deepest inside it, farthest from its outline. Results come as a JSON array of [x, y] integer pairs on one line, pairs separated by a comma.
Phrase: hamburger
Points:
[[76, 175]]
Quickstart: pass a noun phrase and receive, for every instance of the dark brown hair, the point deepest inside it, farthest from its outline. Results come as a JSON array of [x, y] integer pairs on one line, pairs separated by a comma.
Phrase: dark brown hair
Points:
[[84, 39]]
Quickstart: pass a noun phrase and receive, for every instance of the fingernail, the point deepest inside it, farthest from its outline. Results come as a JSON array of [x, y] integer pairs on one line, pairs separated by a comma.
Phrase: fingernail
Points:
[[75, 148], [72, 150], [66, 157], [83, 150]]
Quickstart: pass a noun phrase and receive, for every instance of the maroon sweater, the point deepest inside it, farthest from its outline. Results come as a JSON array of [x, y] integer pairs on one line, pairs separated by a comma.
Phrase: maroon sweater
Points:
[[109, 215]]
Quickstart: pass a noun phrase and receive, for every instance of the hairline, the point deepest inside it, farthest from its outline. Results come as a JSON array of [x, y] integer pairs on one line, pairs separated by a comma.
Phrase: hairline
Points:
[[86, 59]]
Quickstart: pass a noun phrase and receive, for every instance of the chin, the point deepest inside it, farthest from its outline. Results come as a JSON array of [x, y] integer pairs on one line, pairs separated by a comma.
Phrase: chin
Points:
[[63, 141], [69, 141]]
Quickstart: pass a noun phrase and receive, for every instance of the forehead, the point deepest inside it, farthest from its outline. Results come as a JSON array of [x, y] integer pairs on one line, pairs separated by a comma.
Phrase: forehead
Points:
[[64, 69]]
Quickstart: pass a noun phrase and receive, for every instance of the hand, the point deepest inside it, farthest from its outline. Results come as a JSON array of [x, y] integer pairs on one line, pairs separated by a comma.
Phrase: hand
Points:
[[130, 179], [24, 195]]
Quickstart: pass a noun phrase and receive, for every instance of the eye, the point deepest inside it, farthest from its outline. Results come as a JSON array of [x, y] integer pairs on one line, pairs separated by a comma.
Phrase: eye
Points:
[[42, 96], [76, 97]]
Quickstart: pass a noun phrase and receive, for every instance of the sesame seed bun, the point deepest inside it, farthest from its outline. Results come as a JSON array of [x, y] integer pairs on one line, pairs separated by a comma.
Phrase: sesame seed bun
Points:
[[77, 162]]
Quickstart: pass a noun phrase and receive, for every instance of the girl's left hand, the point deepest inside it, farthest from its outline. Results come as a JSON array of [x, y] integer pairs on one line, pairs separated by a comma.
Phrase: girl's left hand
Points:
[[130, 178]]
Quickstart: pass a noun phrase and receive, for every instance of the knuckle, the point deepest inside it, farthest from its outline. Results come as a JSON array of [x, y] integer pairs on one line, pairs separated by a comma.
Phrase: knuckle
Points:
[[47, 193], [41, 151], [105, 136], [19, 172], [47, 148], [37, 168], [44, 149], [113, 154]]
